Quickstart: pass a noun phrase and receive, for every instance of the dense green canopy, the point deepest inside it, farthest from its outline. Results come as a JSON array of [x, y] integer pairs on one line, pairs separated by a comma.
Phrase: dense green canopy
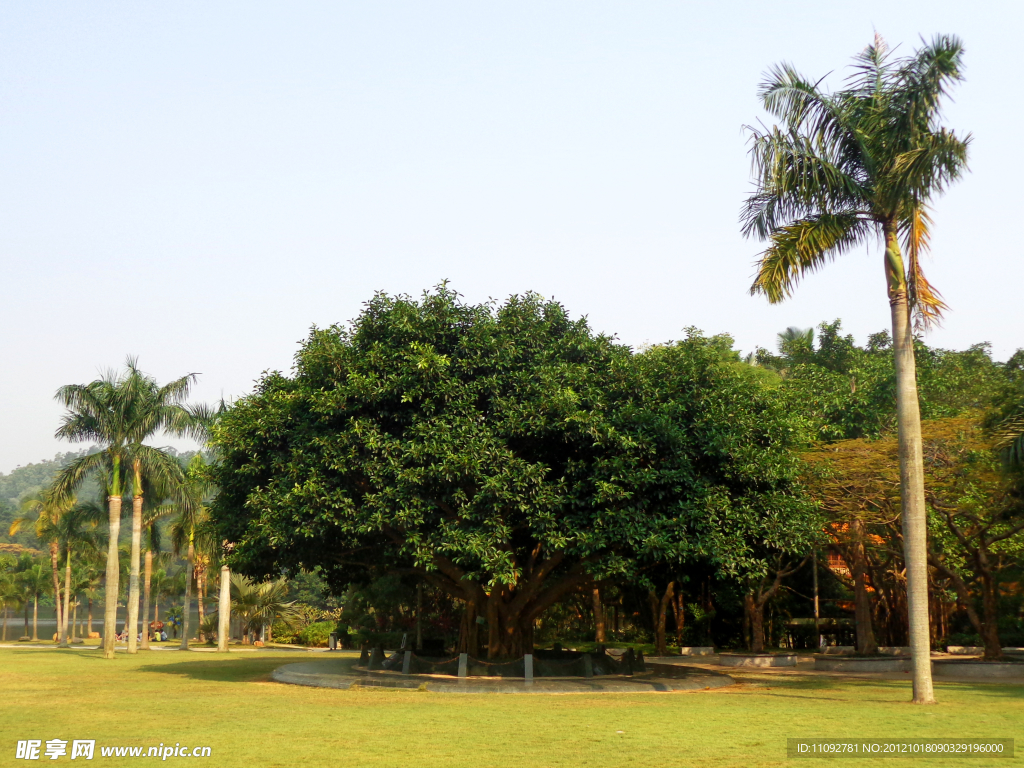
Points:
[[507, 454]]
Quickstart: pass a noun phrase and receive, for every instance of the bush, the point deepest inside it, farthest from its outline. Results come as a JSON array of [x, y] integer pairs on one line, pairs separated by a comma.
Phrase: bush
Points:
[[316, 634], [282, 633]]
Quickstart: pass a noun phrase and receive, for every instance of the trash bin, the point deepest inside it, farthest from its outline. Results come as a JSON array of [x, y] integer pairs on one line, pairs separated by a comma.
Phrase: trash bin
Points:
[[332, 642]]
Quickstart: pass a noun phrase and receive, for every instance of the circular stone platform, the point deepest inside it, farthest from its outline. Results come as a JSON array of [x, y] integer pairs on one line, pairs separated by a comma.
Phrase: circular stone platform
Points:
[[340, 673], [757, 659]]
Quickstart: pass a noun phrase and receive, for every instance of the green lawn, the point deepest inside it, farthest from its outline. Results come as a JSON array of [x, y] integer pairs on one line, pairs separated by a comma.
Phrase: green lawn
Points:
[[230, 705]]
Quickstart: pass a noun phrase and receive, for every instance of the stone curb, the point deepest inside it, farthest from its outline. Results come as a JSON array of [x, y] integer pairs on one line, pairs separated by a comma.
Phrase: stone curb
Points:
[[327, 674]]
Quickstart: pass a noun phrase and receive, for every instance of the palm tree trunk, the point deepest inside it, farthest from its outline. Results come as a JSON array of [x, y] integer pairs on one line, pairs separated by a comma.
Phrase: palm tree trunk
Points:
[[200, 583], [145, 600], [188, 597], [133, 576], [110, 586], [915, 521], [55, 567], [89, 625], [35, 618], [224, 611], [74, 621], [67, 602]]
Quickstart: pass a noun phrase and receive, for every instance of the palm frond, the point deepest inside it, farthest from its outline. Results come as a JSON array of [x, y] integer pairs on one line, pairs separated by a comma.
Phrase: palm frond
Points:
[[804, 247], [798, 176], [1009, 440], [920, 82], [74, 473], [924, 299]]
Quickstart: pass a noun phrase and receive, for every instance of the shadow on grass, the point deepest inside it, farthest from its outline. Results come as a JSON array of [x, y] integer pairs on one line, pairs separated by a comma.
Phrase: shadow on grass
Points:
[[230, 670], [860, 689]]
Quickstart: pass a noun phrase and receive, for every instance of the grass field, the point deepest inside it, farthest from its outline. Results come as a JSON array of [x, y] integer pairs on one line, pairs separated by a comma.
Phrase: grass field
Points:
[[230, 705]]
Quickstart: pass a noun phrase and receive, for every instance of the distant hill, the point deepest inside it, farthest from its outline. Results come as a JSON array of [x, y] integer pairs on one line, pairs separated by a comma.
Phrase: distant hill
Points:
[[26, 480], [31, 477]]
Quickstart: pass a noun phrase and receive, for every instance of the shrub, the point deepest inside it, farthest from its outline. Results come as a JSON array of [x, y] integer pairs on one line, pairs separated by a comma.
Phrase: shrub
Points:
[[283, 633], [316, 634]]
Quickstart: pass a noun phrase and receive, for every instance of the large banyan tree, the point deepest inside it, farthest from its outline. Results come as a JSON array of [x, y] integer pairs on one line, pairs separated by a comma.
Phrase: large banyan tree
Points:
[[505, 454]]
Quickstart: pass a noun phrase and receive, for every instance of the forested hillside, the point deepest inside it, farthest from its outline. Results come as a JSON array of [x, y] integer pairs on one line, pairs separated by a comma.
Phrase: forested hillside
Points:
[[26, 480]]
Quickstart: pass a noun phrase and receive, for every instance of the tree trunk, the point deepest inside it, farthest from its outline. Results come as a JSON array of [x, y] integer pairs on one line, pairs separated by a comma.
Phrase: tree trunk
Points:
[[113, 574], [188, 598], [55, 567], [511, 609], [659, 609], [65, 629], [817, 612], [74, 622], [419, 615], [224, 610], [990, 626], [747, 612], [599, 630], [679, 614], [866, 643], [914, 514], [7, 610], [133, 576], [148, 577], [89, 625], [200, 571], [35, 618], [468, 631], [755, 614]]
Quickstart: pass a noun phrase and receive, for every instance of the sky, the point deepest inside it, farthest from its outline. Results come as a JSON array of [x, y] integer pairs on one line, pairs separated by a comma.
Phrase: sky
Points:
[[198, 183]]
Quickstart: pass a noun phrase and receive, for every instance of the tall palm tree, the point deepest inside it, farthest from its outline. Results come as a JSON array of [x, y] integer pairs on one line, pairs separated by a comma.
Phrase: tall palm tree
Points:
[[120, 412], [190, 533], [11, 595], [845, 169], [75, 529], [43, 511], [150, 520], [37, 583], [159, 587], [159, 408]]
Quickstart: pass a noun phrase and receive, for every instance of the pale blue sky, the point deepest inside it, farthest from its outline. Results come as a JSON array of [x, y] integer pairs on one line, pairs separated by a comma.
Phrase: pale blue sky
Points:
[[198, 183]]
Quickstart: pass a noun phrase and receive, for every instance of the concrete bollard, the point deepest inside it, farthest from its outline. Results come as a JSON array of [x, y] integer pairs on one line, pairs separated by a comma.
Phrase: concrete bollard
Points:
[[406, 662], [528, 668], [463, 665], [588, 665]]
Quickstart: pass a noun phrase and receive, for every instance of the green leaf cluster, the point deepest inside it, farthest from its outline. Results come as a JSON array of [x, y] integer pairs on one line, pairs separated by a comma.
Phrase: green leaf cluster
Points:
[[488, 443]]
